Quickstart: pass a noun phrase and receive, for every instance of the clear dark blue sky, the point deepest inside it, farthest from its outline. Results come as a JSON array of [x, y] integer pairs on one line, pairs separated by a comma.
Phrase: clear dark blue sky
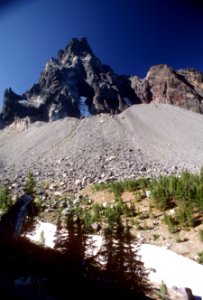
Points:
[[130, 35]]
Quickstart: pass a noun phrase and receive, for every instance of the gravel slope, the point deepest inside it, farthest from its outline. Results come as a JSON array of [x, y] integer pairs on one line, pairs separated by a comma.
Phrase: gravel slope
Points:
[[143, 140]]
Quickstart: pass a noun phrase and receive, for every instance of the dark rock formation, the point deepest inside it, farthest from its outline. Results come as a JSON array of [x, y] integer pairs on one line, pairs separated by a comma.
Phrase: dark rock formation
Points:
[[11, 223], [77, 84]]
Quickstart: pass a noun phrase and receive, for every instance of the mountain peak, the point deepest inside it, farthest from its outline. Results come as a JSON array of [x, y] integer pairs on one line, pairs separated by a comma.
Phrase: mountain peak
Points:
[[76, 47], [79, 46], [77, 84]]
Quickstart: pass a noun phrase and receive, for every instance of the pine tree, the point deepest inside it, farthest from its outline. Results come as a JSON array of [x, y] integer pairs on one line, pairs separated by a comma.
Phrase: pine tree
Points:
[[122, 263], [30, 184], [136, 275]]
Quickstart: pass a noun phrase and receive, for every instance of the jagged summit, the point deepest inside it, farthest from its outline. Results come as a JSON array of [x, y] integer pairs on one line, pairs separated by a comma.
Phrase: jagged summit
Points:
[[77, 84], [76, 47]]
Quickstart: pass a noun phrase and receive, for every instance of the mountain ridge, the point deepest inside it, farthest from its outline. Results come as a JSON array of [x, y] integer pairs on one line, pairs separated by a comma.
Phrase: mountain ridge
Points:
[[77, 84]]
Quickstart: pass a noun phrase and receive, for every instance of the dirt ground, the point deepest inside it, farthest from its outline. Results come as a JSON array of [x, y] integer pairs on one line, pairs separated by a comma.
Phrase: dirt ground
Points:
[[151, 228]]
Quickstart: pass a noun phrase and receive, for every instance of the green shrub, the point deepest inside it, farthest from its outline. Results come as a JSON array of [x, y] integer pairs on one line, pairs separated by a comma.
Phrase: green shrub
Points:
[[118, 187], [200, 258], [38, 201], [30, 184], [87, 220], [96, 212], [163, 292], [155, 236], [201, 235], [5, 199], [184, 216], [42, 238], [184, 192], [160, 195], [111, 214], [171, 223]]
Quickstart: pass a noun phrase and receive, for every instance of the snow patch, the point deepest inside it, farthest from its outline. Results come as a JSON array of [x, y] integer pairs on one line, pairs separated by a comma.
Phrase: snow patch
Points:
[[173, 269], [95, 242], [35, 101], [49, 233], [52, 63], [48, 230], [23, 102], [87, 58], [83, 107], [38, 101]]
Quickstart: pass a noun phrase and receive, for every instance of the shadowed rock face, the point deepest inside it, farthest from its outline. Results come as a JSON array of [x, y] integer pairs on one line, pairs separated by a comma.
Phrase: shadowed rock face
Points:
[[77, 84]]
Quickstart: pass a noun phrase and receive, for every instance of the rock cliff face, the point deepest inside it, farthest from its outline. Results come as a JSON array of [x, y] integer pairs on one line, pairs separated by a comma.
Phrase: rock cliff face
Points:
[[77, 84]]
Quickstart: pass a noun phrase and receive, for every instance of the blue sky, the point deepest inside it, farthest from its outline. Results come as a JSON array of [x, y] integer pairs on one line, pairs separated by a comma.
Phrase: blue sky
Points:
[[130, 35]]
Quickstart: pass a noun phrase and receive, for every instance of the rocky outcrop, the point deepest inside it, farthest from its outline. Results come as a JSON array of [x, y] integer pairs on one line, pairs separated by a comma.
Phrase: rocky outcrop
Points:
[[175, 87], [77, 84]]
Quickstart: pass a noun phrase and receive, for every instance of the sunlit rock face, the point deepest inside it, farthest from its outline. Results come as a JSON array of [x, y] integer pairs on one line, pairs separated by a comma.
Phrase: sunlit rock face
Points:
[[77, 84], [183, 88]]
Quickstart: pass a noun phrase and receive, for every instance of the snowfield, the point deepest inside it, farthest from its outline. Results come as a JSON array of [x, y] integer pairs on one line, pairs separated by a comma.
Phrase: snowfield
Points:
[[164, 265], [175, 270]]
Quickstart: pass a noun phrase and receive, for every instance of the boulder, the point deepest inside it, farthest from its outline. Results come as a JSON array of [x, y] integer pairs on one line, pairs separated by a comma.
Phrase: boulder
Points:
[[186, 293]]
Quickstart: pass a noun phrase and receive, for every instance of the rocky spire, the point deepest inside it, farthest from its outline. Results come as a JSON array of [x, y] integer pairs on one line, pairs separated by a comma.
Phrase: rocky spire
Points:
[[77, 84], [78, 47]]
